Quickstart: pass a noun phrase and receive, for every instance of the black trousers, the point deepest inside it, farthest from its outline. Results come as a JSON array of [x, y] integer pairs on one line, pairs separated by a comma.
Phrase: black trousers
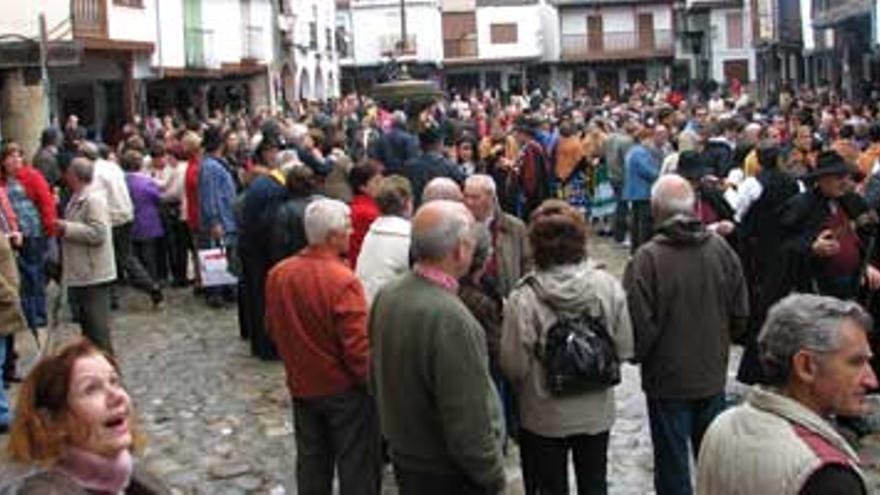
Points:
[[147, 253], [641, 226], [255, 268], [621, 213], [91, 309], [176, 243], [337, 433], [545, 463]]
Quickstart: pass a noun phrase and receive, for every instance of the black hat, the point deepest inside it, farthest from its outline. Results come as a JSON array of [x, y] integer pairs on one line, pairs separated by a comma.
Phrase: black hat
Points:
[[526, 123], [690, 165], [269, 141], [829, 163], [430, 135]]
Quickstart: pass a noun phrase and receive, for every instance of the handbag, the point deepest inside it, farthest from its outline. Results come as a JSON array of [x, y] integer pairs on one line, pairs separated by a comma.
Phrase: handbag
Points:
[[214, 268], [578, 355]]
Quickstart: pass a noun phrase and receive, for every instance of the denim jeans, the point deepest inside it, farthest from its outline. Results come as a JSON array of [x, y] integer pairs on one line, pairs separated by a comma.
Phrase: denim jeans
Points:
[[31, 267], [675, 423], [4, 401]]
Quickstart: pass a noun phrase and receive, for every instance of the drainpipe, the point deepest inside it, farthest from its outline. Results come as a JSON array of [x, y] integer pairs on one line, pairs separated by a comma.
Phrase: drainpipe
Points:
[[161, 57]]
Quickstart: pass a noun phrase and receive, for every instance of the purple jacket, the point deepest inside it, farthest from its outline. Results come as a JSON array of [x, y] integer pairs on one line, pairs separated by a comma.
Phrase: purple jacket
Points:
[[145, 196]]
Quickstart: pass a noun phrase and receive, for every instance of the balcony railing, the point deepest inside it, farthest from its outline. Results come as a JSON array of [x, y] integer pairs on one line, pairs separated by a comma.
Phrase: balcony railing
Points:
[[620, 45], [200, 49], [463, 48], [89, 18], [394, 45], [252, 43]]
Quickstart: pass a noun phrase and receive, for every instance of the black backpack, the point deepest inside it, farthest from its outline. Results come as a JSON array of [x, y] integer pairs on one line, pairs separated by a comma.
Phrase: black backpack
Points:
[[578, 356]]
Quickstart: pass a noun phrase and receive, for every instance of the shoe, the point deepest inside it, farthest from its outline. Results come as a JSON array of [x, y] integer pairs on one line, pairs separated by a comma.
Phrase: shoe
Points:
[[156, 296]]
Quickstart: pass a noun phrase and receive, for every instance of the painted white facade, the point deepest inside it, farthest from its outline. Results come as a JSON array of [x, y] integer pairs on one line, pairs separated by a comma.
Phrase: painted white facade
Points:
[[376, 28], [615, 19], [530, 38], [316, 68], [22, 18], [719, 43]]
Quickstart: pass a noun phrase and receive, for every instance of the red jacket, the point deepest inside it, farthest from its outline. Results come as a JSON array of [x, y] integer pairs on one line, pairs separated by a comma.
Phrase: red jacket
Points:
[[37, 189], [316, 313], [364, 211], [191, 191]]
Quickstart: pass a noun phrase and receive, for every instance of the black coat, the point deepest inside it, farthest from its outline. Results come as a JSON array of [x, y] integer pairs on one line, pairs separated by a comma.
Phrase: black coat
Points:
[[429, 166]]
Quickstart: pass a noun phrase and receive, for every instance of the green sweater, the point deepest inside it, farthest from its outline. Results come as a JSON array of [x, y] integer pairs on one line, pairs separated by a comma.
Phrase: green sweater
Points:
[[437, 403]]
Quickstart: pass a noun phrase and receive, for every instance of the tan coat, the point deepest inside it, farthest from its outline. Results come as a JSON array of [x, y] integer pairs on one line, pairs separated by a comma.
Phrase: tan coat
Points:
[[11, 318], [87, 254], [512, 251]]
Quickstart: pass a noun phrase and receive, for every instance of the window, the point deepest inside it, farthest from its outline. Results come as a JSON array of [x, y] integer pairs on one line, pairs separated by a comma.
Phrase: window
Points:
[[735, 31], [129, 3], [313, 35], [502, 34], [328, 37]]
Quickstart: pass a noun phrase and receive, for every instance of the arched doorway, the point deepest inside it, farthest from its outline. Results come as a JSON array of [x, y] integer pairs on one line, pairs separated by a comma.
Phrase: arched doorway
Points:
[[319, 85], [305, 86]]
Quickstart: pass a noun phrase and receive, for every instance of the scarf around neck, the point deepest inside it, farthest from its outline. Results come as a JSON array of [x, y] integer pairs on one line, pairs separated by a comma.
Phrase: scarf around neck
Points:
[[96, 472]]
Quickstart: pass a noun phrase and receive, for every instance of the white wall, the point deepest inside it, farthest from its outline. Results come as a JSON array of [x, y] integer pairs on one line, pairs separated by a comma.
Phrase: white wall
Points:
[[132, 23], [21, 17], [173, 53], [720, 52], [308, 63], [529, 38], [223, 17]]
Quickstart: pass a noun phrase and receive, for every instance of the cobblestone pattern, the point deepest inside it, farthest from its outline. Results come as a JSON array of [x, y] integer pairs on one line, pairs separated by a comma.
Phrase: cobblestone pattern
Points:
[[219, 421]]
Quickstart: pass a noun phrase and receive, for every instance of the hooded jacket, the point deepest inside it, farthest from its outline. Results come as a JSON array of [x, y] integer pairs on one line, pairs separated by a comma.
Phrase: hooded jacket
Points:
[[533, 307], [687, 297]]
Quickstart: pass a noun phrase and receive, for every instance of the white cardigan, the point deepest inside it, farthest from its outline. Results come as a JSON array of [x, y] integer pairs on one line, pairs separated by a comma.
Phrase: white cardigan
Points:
[[384, 254]]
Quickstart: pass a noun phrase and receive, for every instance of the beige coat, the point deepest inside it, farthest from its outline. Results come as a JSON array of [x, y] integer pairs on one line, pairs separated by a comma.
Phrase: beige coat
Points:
[[87, 254], [11, 318], [571, 289], [769, 444], [512, 251]]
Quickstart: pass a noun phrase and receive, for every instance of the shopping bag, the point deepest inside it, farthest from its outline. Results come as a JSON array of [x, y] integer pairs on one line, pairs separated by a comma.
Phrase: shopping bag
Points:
[[214, 268]]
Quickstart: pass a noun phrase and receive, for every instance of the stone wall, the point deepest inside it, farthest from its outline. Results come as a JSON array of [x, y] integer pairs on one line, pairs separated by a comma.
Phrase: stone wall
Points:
[[22, 114]]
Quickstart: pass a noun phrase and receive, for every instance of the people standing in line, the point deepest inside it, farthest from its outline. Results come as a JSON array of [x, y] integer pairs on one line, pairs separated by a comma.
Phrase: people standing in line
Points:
[[687, 298], [564, 285], [288, 233], [385, 250], [109, 180], [316, 314], [88, 264], [216, 218], [364, 180], [641, 170], [438, 407], [615, 150], [782, 439]]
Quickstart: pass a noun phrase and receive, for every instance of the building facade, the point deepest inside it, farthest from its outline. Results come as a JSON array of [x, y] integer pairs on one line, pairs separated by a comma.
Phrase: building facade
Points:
[[841, 49], [715, 41]]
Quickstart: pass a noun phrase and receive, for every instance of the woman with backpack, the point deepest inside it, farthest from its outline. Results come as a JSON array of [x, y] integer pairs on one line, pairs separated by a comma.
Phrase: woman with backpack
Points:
[[566, 400]]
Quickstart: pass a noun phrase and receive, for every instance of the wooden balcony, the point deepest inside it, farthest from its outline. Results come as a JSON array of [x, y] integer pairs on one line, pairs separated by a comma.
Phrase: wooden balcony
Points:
[[461, 48], [89, 18], [625, 45]]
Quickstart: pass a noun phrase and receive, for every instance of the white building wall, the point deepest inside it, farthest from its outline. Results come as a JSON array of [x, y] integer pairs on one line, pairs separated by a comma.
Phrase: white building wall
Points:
[[721, 53], [223, 18], [132, 23], [170, 50], [21, 17], [317, 71], [573, 21], [529, 43]]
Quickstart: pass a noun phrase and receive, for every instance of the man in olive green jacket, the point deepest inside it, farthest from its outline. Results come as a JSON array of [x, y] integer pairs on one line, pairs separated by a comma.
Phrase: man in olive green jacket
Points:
[[438, 407]]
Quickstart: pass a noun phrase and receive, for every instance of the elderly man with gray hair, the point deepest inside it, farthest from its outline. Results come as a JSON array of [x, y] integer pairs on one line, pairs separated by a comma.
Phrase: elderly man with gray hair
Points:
[[442, 188], [687, 298], [316, 314], [816, 355], [88, 264], [438, 407]]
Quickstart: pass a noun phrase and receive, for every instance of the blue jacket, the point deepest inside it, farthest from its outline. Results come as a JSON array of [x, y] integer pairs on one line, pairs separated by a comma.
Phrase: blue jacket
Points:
[[640, 171], [216, 196], [395, 148]]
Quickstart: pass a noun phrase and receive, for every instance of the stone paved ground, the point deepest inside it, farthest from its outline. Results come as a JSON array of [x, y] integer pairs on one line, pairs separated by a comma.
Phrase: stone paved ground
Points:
[[219, 421]]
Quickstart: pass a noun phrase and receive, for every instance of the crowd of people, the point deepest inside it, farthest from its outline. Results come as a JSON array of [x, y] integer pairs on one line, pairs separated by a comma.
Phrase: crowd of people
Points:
[[424, 277]]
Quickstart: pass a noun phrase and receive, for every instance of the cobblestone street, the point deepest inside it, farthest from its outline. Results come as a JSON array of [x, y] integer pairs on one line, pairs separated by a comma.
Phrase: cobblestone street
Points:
[[219, 421]]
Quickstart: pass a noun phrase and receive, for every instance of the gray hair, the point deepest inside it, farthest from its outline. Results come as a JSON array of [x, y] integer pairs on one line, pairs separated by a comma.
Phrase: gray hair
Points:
[[804, 321], [452, 227], [90, 150], [483, 181], [442, 188], [83, 169], [671, 195], [323, 217]]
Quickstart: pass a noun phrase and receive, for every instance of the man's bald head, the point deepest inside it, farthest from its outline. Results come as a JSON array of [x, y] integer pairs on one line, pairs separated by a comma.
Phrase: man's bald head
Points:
[[671, 195], [438, 229], [442, 188]]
